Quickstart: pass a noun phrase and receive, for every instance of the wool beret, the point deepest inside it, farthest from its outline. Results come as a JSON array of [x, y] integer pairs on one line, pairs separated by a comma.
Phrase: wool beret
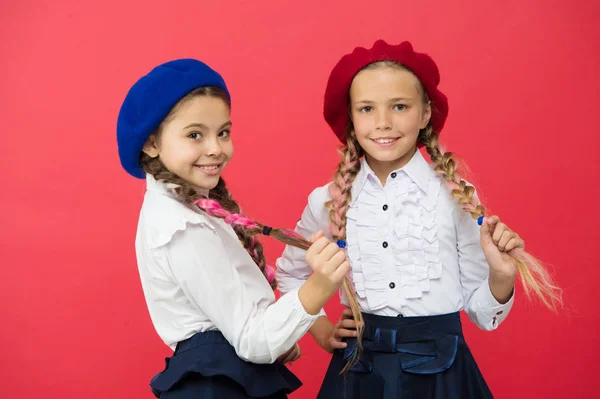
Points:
[[337, 93], [151, 99]]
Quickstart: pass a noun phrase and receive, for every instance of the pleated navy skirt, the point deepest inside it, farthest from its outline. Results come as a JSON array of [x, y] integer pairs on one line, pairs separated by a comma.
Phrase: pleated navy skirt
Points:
[[206, 366], [407, 357]]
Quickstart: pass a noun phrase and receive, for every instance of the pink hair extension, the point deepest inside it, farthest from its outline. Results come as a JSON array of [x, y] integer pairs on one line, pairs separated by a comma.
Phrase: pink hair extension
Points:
[[270, 273], [213, 208], [234, 219], [253, 242]]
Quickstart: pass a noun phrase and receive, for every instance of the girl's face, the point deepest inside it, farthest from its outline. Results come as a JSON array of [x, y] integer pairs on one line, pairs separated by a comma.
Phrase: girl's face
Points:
[[195, 143], [387, 111]]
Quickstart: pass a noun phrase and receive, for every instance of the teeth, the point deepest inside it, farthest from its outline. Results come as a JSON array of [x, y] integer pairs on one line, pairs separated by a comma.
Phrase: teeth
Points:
[[211, 167], [384, 141]]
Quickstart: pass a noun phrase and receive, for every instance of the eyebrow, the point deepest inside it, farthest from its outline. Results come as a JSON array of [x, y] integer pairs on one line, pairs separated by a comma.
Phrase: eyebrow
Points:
[[392, 100], [203, 126]]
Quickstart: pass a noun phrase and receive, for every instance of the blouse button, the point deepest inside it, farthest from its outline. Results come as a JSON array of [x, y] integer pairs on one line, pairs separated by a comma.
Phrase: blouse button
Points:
[[392, 285], [385, 244], [394, 174], [385, 207]]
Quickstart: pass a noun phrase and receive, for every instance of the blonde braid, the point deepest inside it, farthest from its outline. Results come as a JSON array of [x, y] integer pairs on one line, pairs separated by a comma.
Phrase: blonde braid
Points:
[[341, 196], [534, 276]]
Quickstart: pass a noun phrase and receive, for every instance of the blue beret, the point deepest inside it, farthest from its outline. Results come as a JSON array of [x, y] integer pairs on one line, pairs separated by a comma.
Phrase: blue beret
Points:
[[151, 99]]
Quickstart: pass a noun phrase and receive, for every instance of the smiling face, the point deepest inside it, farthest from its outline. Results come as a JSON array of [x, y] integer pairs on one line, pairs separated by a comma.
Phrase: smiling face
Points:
[[388, 110], [194, 142]]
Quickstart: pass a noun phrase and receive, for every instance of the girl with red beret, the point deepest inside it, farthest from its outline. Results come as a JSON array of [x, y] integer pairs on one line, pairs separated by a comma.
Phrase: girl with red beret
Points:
[[410, 229]]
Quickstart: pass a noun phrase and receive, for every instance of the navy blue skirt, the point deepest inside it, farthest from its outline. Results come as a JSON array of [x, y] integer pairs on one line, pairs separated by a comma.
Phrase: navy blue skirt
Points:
[[407, 357], [206, 366]]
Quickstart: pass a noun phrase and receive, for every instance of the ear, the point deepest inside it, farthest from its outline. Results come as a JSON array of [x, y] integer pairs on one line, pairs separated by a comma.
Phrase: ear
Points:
[[151, 147], [426, 115]]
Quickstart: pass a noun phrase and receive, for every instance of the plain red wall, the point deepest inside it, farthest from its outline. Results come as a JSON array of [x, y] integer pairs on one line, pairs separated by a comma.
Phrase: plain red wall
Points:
[[523, 88]]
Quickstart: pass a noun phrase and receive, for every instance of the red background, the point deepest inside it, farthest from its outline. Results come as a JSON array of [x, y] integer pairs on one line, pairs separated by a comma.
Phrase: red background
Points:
[[523, 88]]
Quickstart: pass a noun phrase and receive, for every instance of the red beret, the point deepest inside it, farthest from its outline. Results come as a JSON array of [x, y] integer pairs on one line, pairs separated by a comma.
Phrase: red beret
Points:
[[338, 87]]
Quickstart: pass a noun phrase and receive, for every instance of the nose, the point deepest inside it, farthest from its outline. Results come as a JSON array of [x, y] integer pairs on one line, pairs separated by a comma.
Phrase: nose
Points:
[[213, 147], [384, 120]]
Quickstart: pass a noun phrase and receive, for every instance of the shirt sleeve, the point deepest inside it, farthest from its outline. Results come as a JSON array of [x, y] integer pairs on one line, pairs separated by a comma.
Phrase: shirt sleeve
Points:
[[258, 333], [292, 268], [483, 309]]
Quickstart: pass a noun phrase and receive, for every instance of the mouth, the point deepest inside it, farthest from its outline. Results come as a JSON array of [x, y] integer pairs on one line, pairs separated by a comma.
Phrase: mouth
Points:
[[385, 141], [210, 169]]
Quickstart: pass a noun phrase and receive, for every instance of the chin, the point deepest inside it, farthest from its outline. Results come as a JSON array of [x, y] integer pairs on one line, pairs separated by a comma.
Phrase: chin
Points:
[[208, 185], [204, 183], [386, 157]]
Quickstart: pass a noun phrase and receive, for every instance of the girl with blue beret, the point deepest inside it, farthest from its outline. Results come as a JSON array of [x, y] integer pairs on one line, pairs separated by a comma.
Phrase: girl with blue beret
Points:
[[211, 299]]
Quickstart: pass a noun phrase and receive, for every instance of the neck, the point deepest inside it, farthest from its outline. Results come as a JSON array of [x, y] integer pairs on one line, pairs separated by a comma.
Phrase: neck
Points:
[[203, 191], [382, 169], [171, 186]]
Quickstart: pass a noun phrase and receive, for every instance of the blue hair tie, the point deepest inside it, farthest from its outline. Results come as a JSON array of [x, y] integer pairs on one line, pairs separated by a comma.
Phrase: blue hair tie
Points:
[[480, 220], [341, 244]]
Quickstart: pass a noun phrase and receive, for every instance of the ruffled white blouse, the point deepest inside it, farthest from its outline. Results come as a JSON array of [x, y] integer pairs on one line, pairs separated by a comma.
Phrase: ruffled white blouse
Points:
[[413, 250]]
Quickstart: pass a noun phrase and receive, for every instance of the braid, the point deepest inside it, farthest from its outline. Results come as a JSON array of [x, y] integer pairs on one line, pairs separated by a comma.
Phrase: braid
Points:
[[341, 195], [445, 165], [224, 207], [341, 188], [185, 191], [250, 242], [534, 276]]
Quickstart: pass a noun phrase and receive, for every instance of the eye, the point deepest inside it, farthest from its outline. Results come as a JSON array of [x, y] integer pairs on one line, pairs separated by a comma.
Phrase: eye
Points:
[[195, 135], [366, 109], [225, 133], [399, 107]]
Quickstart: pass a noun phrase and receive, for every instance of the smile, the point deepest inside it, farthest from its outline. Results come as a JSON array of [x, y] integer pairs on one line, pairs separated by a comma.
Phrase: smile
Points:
[[211, 169], [385, 141]]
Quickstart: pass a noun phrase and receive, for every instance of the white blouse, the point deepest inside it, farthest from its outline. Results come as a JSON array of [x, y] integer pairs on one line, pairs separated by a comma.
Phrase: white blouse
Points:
[[198, 277], [412, 249]]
